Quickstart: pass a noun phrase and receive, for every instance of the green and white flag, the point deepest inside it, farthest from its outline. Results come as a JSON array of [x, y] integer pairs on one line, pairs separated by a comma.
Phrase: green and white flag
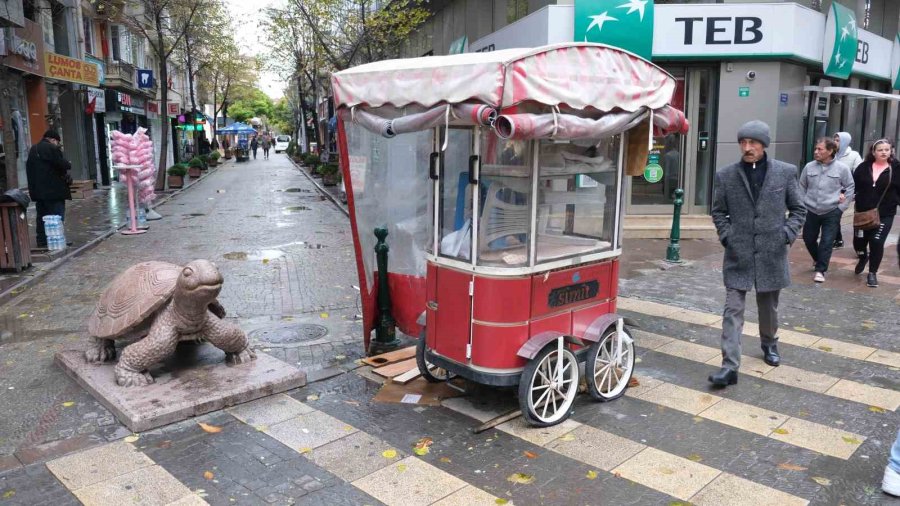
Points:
[[627, 24], [839, 51]]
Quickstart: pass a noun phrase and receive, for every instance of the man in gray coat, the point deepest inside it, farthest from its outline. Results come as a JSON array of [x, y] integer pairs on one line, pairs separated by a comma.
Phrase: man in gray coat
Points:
[[752, 198]]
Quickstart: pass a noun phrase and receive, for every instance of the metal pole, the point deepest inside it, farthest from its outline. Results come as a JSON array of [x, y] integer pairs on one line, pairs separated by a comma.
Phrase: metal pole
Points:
[[673, 252], [385, 330]]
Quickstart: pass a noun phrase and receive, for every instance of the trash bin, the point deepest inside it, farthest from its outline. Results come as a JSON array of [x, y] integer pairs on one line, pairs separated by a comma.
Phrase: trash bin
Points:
[[16, 252]]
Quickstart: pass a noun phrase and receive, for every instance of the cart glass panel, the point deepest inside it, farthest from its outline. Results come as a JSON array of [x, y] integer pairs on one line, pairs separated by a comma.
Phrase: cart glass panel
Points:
[[391, 189], [577, 184], [505, 182], [456, 196]]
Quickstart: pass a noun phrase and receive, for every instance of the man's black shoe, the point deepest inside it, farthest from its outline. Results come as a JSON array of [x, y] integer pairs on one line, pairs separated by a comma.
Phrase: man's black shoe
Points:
[[724, 377], [770, 354], [838, 244], [872, 280], [861, 264]]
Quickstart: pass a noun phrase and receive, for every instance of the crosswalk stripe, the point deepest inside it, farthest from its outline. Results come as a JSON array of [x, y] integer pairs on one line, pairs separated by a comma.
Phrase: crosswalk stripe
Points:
[[661, 471], [794, 431], [366, 462], [793, 337], [786, 375], [117, 473]]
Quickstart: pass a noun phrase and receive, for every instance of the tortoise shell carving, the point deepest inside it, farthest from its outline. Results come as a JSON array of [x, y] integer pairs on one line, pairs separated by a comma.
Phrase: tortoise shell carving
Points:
[[132, 297]]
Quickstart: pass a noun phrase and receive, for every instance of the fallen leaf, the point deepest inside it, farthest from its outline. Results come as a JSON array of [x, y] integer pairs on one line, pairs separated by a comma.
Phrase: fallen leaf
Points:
[[591, 475], [212, 429], [825, 348], [261, 428], [697, 419], [801, 329], [265, 261], [348, 428], [401, 467], [208, 475], [422, 446], [633, 382], [165, 444], [567, 437], [446, 460], [312, 397], [666, 470], [679, 503], [68, 404], [323, 315], [821, 481], [530, 455], [694, 457], [132, 438], [868, 324], [876, 409], [780, 431], [305, 449], [852, 440], [521, 478], [791, 467], [352, 403], [389, 454], [8, 494], [500, 500]]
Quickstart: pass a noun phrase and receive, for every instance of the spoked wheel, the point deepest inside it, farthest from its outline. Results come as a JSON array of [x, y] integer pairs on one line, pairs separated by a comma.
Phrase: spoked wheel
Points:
[[609, 366], [548, 387], [431, 372]]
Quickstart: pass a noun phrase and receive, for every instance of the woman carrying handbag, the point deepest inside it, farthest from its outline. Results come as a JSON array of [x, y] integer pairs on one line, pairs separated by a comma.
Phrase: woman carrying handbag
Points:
[[877, 182]]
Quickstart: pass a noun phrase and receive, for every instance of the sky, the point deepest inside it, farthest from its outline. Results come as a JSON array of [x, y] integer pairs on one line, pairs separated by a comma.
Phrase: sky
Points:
[[245, 16]]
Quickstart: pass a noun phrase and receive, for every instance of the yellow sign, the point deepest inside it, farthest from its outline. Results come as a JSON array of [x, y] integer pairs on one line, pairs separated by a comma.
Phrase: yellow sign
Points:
[[72, 70]]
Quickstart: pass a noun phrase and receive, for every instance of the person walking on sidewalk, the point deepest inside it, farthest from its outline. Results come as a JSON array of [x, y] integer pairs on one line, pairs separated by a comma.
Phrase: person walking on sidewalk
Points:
[[48, 181], [877, 187], [266, 144], [758, 213], [826, 187], [851, 159], [254, 145]]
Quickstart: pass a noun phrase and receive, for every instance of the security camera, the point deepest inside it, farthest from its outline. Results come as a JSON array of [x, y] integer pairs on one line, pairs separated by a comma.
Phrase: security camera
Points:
[[751, 75]]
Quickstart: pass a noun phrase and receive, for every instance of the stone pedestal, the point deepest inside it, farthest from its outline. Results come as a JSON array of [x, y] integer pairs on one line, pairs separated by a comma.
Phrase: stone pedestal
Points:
[[194, 381]]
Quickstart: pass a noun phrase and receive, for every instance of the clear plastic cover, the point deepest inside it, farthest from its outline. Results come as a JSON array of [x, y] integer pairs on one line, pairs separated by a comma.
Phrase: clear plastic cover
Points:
[[456, 197]]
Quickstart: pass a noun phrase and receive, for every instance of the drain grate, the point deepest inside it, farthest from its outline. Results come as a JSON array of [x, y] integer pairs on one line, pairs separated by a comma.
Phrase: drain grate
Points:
[[302, 334]]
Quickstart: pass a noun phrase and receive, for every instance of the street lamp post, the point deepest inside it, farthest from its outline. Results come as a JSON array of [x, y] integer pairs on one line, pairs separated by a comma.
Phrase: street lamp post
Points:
[[673, 252], [385, 330]]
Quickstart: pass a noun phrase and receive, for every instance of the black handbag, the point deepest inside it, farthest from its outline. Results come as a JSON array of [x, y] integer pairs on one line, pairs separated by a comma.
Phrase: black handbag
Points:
[[867, 220]]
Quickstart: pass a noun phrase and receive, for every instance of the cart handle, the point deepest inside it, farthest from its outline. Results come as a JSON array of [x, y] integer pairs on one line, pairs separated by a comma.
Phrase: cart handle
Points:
[[433, 166], [473, 165]]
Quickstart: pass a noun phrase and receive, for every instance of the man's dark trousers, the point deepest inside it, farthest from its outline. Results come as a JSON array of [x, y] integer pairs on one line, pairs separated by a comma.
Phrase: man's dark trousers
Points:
[[733, 323], [47, 208], [820, 249]]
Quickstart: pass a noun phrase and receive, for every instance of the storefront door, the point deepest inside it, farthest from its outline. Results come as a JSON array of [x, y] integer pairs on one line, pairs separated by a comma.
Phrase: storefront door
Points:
[[686, 160]]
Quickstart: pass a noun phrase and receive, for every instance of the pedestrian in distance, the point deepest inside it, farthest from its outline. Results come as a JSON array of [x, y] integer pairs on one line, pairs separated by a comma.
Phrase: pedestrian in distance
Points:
[[851, 159], [826, 187], [254, 145], [266, 145], [48, 181], [877, 187], [758, 213]]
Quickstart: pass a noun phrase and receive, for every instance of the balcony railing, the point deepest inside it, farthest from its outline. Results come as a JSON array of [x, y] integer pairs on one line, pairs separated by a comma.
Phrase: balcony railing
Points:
[[119, 74]]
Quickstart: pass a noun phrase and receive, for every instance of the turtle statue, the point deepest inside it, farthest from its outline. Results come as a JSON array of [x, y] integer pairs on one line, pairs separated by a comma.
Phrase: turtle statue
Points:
[[160, 304]]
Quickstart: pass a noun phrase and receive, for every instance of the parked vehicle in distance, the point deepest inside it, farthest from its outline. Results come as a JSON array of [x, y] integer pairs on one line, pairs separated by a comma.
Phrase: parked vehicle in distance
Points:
[[281, 143]]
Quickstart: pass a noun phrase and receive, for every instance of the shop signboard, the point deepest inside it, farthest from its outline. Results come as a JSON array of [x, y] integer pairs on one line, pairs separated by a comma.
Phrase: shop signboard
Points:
[[101, 67], [63, 68], [459, 45], [152, 109], [173, 108], [99, 97], [873, 55], [627, 24], [840, 45], [25, 49], [145, 78], [895, 63]]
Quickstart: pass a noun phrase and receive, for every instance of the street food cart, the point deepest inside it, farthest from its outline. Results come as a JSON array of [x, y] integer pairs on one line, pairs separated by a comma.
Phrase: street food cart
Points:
[[499, 178], [242, 133]]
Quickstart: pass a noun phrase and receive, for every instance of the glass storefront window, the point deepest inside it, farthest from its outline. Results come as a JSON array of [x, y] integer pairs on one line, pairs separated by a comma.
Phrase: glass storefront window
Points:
[[577, 184], [505, 180]]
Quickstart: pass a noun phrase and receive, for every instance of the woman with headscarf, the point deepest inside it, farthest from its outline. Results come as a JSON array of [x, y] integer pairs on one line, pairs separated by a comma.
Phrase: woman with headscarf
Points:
[[851, 159], [877, 187]]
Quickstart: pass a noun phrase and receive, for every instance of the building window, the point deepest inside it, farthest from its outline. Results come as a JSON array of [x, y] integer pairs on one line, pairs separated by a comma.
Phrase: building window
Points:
[[114, 39], [515, 10], [88, 36]]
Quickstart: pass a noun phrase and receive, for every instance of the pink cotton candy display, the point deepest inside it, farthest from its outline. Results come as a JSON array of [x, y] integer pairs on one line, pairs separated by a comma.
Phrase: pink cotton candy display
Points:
[[136, 149]]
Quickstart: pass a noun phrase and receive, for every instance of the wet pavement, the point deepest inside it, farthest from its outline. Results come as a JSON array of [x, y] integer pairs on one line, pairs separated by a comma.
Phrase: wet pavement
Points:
[[815, 430]]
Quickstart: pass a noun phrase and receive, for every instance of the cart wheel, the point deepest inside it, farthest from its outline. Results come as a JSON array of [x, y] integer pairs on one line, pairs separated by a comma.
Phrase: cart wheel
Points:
[[545, 400], [431, 372], [610, 365]]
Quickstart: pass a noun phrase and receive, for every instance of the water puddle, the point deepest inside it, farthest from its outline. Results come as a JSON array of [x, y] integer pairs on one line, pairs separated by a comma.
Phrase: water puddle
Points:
[[294, 190], [255, 255], [294, 209]]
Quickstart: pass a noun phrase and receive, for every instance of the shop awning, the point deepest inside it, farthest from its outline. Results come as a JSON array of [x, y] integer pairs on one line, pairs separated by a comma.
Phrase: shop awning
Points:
[[237, 128], [852, 92]]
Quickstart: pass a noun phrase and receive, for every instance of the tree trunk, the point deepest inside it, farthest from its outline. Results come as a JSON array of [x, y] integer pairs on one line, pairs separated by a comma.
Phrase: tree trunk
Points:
[[164, 108], [190, 73], [9, 176]]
